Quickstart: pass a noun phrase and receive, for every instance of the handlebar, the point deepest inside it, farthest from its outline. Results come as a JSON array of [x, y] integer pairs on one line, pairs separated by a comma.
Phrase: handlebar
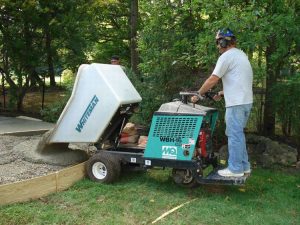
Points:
[[185, 94], [210, 94]]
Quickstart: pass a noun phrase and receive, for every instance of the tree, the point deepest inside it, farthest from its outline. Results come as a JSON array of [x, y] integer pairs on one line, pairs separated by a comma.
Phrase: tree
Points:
[[113, 36], [133, 36], [167, 50], [35, 34], [20, 51], [264, 35], [182, 33]]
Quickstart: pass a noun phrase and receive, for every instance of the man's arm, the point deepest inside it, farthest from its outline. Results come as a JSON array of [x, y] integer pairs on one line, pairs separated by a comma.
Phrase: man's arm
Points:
[[208, 84]]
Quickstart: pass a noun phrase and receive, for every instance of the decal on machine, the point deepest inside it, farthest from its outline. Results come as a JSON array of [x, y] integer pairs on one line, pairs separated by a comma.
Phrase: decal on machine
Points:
[[133, 160], [87, 113], [170, 139], [148, 162], [186, 146], [191, 141], [169, 152]]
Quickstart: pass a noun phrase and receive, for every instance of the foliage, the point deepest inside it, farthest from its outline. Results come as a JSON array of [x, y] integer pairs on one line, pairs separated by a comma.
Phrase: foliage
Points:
[[142, 116], [182, 33], [52, 112], [269, 197], [47, 34], [175, 43], [112, 26], [287, 105], [165, 44], [68, 78], [13, 99]]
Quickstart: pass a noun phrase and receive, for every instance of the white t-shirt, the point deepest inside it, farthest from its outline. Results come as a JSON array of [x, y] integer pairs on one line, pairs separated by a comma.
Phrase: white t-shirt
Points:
[[235, 70]]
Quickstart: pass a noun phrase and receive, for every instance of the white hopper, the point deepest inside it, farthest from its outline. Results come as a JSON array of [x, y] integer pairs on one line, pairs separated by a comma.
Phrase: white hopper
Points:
[[98, 92]]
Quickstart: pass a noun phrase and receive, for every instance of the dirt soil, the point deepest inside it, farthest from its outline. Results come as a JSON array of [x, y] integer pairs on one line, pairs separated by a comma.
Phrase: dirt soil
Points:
[[13, 166]]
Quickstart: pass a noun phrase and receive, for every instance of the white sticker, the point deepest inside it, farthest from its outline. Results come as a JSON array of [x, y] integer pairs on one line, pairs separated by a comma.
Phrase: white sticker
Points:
[[186, 146], [191, 141], [148, 162], [133, 160]]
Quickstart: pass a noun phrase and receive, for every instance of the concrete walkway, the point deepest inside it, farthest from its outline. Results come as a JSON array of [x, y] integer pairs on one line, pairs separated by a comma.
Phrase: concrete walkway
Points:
[[22, 124]]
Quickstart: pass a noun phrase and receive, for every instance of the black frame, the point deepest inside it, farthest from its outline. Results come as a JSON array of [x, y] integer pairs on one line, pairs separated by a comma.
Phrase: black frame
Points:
[[127, 154]]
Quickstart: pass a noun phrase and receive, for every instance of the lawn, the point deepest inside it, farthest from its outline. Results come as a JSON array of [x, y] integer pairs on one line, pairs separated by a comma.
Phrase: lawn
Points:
[[269, 197]]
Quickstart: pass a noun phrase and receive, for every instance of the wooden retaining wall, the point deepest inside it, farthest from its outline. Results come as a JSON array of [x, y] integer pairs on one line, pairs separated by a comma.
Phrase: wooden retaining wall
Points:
[[41, 186]]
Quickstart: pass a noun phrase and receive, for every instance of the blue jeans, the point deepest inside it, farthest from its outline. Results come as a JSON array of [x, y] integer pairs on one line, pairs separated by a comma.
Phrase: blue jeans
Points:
[[236, 118]]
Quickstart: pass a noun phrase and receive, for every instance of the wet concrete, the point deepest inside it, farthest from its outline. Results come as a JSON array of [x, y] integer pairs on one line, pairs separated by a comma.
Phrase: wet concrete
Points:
[[57, 154], [39, 151], [13, 125]]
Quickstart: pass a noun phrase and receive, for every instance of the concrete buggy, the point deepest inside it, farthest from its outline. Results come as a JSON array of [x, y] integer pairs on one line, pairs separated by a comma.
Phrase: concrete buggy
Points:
[[180, 136]]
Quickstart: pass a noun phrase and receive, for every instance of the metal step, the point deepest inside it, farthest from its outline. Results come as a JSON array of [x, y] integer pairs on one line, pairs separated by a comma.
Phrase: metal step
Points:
[[215, 178]]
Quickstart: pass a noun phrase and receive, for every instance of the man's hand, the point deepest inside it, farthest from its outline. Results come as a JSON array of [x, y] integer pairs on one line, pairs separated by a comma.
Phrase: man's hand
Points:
[[218, 96], [195, 99]]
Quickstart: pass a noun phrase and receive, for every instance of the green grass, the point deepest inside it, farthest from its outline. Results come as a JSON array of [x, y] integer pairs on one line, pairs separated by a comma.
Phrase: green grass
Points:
[[269, 197]]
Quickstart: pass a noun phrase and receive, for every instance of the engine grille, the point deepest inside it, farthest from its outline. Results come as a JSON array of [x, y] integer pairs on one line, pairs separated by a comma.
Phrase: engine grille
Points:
[[175, 126]]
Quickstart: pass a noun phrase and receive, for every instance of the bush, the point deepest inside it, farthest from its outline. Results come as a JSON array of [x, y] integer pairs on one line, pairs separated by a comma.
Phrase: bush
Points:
[[13, 99], [287, 106], [52, 112], [68, 78]]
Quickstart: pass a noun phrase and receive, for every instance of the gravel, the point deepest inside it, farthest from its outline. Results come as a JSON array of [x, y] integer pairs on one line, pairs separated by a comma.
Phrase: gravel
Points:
[[14, 167]]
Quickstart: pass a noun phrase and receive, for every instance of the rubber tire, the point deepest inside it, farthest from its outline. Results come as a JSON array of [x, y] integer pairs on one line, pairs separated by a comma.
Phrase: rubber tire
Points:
[[191, 184], [112, 164]]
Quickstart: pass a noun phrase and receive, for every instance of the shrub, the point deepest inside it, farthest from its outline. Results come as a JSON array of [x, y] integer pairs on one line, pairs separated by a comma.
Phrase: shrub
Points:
[[68, 78], [287, 105], [52, 112]]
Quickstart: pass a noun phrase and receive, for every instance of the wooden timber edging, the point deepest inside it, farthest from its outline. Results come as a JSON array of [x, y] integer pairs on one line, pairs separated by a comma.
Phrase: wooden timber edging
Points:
[[37, 187], [25, 133]]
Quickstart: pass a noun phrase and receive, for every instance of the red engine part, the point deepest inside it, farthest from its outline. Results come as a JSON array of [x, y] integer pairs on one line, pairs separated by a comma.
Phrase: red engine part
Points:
[[202, 140]]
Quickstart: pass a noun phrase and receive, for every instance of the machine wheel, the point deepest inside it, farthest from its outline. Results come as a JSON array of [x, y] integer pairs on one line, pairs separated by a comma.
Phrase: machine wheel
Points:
[[184, 178], [103, 168]]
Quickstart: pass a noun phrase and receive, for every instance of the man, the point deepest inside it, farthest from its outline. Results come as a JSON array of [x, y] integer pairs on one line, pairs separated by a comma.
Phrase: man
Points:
[[115, 60], [234, 68]]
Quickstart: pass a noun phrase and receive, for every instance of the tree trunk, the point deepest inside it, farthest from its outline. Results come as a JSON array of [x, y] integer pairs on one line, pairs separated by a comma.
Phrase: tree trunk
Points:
[[21, 94], [20, 102], [50, 57], [269, 112], [133, 36], [28, 68], [35, 79]]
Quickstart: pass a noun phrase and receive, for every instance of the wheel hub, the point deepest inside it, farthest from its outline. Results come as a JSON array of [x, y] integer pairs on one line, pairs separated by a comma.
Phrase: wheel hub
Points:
[[188, 177], [99, 170]]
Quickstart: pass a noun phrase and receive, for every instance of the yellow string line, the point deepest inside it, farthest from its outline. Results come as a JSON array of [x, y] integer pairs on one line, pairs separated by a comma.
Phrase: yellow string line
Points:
[[172, 210]]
